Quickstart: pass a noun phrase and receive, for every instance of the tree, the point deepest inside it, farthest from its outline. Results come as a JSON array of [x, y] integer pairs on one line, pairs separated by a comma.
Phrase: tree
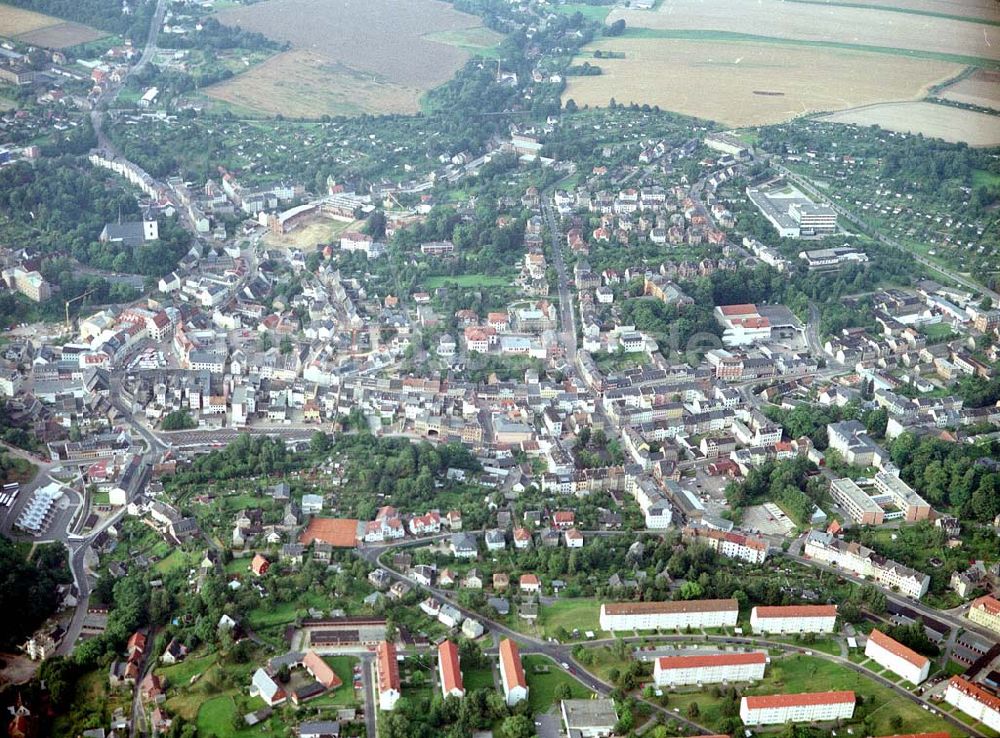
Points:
[[178, 420], [517, 726], [693, 710], [563, 691], [319, 444]]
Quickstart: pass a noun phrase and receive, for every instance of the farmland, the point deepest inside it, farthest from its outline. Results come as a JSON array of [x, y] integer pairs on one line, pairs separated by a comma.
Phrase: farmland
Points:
[[332, 69], [935, 121], [981, 88], [44, 30], [745, 83], [818, 22]]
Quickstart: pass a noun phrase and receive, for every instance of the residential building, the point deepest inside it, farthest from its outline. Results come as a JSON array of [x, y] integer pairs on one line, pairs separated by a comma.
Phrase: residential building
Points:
[[669, 615], [263, 686], [778, 709], [449, 671], [897, 658], [674, 671], [794, 619], [515, 686], [732, 545], [974, 701], [985, 611], [387, 668], [866, 564]]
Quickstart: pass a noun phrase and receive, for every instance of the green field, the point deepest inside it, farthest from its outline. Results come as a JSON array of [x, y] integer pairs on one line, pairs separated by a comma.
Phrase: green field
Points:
[[176, 559], [542, 684], [982, 178], [937, 331], [465, 280], [344, 695], [590, 12], [476, 41], [699, 35], [179, 675], [893, 9], [580, 613]]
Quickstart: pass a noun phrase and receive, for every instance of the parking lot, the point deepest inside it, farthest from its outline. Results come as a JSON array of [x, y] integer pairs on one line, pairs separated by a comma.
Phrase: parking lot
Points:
[[762, 518]]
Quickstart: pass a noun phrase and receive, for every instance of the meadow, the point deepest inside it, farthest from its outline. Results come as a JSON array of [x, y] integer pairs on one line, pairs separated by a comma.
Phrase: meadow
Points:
[[933, 121], [744, 83], [38, 29], [858, 24], [333, 69]]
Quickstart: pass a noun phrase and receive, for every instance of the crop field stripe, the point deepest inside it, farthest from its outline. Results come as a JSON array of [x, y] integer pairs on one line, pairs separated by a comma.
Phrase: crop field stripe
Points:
[[895, 9], [696, 35]]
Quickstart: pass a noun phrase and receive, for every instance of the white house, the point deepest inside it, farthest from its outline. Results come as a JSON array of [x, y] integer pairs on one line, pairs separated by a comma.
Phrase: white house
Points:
[[515, 686], [794, 619], [778, 709], [669, 615], [897, 658], [387, 668], [669, 671]]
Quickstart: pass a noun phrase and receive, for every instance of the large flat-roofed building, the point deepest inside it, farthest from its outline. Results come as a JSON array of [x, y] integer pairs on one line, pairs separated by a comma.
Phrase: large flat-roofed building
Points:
[[813, 217], [778, 709], [823, 260], [792, 213], [856, 502], [897, 658], [669, 615], [975, 701], [851, 440], [794, 619], [31, 284], [914, 506], [387, 669], [675, 671], [589, 718], [985, 611], [515, 686], [727, 143]]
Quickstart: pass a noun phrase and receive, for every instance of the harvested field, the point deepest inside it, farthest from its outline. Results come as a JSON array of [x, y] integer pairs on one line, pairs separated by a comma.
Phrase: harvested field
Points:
[[823, 24], [29, 27], [934, 121], [981, 88], [352, 57], [301, 84], [748, 84], [979, 9]]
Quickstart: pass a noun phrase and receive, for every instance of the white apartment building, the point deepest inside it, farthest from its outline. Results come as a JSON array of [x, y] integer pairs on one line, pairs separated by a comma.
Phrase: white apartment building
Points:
[[974, 701], [515, 686], [387, 669], [674, 671], [669, 615], [778, 709], [794, 619], [897, 658]]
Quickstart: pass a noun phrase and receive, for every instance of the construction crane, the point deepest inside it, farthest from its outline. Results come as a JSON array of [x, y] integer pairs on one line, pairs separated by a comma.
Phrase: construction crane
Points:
[[69, 326]]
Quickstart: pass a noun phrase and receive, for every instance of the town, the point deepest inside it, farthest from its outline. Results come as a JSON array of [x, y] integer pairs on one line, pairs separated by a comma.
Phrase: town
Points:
[[573, 421]]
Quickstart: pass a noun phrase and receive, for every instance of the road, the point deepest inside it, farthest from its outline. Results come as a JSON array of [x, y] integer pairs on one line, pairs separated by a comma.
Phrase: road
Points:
[[567, 316], [816, 193], [557, 652]]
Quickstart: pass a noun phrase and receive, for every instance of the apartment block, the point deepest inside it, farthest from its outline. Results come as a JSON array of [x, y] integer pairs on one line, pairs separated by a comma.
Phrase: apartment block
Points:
[[778, 709], [669, 615], [794, 619], [673, 671]]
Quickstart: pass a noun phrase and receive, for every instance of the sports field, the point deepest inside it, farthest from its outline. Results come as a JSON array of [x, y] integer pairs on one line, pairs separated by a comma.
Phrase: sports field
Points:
[[747, 83], [351, 57], [824, 23], [933, 121], [38, 29]]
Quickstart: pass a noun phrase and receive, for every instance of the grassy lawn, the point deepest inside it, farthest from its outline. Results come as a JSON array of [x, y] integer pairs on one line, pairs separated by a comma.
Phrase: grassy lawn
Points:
[[580, 613], [982, 178], [603, 661], [344, 695], [103, 497], [824, 645], [281, 613], [179, 675], [216, 716], [936, 331], [177, 559], [478, 679], [542, 684], [465, 280]]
